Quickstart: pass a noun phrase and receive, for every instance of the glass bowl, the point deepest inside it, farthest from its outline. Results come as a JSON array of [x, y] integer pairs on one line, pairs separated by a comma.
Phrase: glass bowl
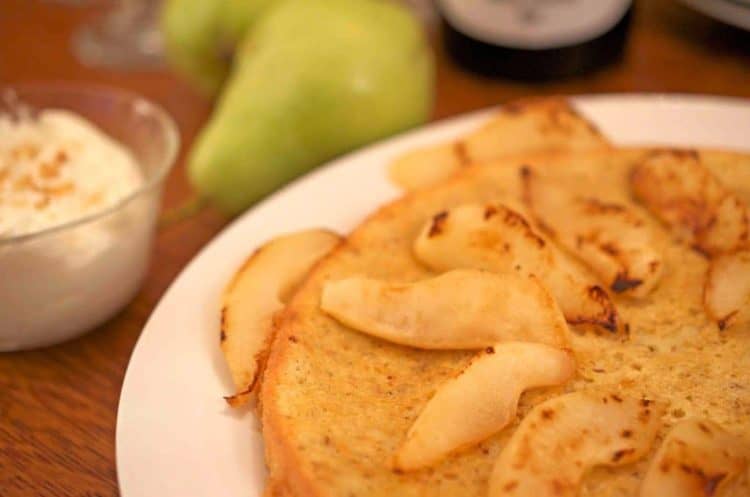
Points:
[[60, 282]]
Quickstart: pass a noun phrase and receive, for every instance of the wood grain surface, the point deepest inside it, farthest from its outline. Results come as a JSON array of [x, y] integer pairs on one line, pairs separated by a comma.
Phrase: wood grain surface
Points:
[[58, 405]]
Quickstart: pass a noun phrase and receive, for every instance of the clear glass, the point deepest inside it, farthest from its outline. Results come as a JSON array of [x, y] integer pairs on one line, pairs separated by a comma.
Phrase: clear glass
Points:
[[65, 280], [127, 37]]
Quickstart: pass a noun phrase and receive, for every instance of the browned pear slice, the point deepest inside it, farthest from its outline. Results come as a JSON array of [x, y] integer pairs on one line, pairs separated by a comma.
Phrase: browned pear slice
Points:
[[562, 438], [697, 459], [687, 197], [532, 125], [727, 291], [613, 239], [499, 239], [426, 166], [259, 289], [481, 401], [461, 309]]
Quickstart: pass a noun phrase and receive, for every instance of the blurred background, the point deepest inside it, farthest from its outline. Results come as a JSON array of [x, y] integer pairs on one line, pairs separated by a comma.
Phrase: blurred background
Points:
[[645, 46], [669, 47]]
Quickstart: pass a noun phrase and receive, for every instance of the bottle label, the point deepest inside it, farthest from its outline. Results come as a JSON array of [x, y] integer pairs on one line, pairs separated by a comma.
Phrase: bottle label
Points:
[[533, 24]]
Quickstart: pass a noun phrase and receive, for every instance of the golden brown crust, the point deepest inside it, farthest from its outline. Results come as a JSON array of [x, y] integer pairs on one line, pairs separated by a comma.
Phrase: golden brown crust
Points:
[[283, 463]]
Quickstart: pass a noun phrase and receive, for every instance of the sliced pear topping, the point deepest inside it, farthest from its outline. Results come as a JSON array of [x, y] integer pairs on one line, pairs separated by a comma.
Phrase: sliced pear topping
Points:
[[611, 238], [481, 401], [532, 125], [687, 197], [462, 309], [426, 166], [259, 289], [496, 238], [697, 459], [727, 291], [562, 438]]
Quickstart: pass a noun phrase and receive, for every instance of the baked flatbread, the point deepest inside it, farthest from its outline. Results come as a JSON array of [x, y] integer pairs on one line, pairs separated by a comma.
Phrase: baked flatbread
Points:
[[337, 404]]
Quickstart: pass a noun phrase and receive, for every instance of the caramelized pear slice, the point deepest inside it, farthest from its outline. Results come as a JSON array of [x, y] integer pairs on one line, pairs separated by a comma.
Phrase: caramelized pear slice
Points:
[[496, 238], [697, 459], [257, 291], [426, 166], [481, 401], [462, 309], [727, 292], [562, 438], [681, 191], [531, 125], [612, 239]]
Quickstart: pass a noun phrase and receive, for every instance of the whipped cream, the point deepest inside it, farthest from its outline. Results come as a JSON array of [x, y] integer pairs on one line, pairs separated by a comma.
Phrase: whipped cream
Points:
[[57, 167]]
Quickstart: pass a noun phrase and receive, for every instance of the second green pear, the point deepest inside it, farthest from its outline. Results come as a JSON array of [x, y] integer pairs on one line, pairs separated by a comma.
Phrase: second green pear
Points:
[[200, 36], [313, 79]]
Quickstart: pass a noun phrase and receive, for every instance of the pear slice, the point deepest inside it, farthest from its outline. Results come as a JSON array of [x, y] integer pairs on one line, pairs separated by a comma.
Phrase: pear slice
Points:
[[727, 292], [687, 197], [530, 125], [697, 459], [562, 438], [612, 239], [461, 309], [481, 401], [496, 238], [426, 166], [257, 291]]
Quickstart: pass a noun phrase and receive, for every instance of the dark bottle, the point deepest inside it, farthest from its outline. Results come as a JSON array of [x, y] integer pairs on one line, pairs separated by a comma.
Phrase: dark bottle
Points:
[[535, 39]]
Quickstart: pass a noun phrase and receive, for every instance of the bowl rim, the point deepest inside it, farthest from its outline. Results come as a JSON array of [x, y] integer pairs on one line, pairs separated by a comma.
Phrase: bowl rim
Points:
[[140, 104]]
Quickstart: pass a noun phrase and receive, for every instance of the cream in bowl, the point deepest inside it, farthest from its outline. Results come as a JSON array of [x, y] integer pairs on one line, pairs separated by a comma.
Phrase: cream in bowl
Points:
[[51, 171], [80, 184]]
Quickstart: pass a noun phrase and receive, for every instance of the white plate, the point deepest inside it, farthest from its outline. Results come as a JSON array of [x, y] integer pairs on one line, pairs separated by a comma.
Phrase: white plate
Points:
[[175, 435], [734, 12]]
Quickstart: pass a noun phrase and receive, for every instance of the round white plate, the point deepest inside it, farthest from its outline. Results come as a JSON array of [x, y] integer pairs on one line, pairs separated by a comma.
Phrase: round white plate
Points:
[[733, 12], [176, 437]]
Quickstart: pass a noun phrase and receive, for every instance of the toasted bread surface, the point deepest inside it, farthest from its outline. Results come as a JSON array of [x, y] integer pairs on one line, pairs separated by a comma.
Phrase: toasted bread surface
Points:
[[336, 404]]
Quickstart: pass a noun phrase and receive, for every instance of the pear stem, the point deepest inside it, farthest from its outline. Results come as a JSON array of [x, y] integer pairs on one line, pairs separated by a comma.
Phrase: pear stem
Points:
[[187, 209]]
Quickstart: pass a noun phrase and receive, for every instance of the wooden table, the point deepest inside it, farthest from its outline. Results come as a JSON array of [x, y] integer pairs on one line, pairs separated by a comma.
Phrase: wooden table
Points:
[[58, 405]]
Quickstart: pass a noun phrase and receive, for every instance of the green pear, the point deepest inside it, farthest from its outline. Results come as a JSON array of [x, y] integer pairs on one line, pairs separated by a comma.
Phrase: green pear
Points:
[[200, 36], [313, 79]]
